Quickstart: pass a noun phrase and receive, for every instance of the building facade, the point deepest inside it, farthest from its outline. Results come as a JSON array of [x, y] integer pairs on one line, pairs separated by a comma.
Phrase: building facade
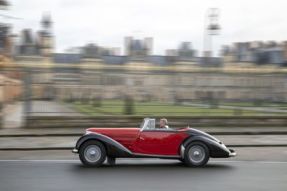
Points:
[[245, 72]]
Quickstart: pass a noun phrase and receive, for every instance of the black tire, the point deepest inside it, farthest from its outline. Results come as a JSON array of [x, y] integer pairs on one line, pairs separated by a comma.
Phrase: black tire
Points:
[[92, 153], [111, 161], [196, 154]]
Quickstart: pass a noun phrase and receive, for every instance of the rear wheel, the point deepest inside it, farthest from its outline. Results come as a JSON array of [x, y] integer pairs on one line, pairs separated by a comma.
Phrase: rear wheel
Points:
[[92, 153], [196, 154]]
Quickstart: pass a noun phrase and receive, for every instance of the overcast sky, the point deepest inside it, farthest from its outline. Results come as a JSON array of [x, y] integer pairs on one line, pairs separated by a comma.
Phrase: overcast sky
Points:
[[107, 22]]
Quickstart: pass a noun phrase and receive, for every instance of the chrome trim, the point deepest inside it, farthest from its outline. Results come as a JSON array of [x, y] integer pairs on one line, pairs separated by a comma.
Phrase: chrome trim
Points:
[[232, 154], [144, 124], [157, 156], [75, 150], [88, 132]]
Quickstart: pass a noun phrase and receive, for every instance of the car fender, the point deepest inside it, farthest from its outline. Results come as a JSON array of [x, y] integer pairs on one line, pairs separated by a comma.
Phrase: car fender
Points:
[[109, 142], [217, 149]]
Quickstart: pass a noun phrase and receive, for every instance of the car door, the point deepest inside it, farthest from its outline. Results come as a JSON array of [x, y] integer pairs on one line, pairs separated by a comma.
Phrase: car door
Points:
[[159, 142]]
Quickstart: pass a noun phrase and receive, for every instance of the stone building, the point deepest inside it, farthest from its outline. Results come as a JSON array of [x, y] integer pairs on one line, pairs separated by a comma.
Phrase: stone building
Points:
[[10, 83], [33, 54], [256, 52], [152, 77], [180, 75]]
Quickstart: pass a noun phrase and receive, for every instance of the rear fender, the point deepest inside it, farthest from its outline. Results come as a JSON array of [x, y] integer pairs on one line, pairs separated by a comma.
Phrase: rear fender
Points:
[[110, 143]]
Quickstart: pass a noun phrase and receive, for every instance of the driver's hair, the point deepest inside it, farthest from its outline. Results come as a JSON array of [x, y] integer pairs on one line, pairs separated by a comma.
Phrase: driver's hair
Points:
[[164, 120]]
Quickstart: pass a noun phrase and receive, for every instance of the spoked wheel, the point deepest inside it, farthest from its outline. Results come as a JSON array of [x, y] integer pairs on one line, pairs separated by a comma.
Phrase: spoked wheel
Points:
[[92, 153], [196, 154]]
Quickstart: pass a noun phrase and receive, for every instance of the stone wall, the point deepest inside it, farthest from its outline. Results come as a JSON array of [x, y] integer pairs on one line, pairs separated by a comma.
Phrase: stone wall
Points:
[[174, 122]]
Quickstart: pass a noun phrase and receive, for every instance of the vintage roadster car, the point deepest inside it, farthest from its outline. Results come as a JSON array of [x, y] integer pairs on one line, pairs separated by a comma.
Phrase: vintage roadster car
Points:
[[191, 146]]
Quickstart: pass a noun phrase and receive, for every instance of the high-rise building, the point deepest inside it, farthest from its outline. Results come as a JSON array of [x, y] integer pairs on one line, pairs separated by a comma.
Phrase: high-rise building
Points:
[[45, 36], [40, 44], [138, 49]]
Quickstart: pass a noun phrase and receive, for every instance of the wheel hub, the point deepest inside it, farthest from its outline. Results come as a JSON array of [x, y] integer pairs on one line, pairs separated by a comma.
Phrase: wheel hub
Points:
[[93, 153], [196, 154]]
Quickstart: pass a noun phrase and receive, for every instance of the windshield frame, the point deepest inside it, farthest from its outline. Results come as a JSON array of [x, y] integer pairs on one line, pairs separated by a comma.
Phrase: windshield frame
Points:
[[145, 123]]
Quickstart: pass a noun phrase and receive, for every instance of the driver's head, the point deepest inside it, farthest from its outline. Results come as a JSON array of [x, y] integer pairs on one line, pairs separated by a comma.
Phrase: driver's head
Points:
[[162, 123]]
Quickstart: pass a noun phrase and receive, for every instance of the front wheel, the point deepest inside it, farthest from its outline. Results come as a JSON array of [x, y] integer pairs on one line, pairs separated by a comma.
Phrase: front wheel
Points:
[[92, 153], [196, 154]]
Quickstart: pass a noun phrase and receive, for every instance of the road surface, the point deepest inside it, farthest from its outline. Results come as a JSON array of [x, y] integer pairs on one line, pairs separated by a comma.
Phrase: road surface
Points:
[[263, 168], [139, 174]]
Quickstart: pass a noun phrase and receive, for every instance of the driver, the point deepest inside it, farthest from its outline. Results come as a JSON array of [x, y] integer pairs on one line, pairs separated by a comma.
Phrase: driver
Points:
[[163, 123]]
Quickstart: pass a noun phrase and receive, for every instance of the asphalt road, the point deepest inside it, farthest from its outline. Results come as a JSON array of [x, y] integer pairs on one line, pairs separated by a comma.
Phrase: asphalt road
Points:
[[138, 174]]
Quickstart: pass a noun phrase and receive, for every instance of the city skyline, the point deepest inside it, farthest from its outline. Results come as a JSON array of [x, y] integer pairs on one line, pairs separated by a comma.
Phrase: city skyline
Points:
[[177, 22]]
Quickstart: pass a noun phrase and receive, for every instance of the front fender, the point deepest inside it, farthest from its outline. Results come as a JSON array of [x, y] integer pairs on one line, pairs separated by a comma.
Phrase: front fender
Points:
[[216, 149], [112, 145]]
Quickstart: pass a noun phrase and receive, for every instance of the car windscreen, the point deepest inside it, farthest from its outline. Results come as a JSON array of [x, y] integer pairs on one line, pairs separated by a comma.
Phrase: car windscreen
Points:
[[142, 124]]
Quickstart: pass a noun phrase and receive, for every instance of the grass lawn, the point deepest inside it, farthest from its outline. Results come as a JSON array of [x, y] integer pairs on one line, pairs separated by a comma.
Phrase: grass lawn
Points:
[[116, 107], [251, 104]]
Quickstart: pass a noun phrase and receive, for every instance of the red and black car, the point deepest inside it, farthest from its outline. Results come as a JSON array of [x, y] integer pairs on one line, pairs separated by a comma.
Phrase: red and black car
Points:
[[191, 146]]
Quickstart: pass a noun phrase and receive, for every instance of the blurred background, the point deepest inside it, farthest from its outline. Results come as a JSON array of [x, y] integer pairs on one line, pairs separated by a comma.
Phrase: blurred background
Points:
[[215, 65], [209, 83]]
